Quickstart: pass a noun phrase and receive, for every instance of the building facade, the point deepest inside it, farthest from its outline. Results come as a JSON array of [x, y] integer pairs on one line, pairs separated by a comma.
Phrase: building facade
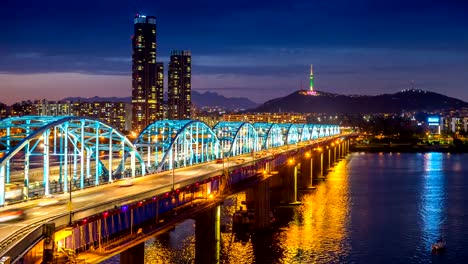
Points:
[[51, 108], [294, 118], [160, 90], [179, 85], [145, 103], [3, 110], [116, 114]]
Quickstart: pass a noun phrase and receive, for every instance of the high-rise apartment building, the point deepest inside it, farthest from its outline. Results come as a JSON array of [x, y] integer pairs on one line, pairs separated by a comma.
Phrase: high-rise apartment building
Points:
[[179, 85], [144, 93], [160, 90]]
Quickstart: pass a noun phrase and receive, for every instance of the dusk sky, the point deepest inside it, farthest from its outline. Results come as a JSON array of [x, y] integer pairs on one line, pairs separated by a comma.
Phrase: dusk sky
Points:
[[257, 49]]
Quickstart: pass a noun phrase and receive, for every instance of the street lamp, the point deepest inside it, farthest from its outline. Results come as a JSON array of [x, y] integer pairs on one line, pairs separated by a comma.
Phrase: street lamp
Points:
[[69, 189], [173, 165]]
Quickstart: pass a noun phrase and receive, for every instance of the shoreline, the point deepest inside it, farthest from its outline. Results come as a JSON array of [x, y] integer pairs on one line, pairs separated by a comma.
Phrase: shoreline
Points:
[[408, 148]]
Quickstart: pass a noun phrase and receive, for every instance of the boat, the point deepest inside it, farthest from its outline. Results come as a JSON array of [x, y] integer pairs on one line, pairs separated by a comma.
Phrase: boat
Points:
[[439, 246]]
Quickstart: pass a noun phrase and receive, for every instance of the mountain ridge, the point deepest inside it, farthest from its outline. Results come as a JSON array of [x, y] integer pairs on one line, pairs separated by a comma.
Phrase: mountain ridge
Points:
[[405, 100], [206, 99]]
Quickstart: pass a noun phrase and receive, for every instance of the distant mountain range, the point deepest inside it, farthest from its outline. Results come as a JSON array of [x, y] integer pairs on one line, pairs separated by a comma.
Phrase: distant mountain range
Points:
[[406, 100], [206, 99]]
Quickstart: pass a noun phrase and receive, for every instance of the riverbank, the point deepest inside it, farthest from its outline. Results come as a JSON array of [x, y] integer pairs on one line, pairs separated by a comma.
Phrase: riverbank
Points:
[[410, 148]]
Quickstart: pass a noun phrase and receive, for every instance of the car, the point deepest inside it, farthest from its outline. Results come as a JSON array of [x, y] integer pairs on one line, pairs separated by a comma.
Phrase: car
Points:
[[12, 215], [126, 183], [219, 161], [48, 200], [240, 161]]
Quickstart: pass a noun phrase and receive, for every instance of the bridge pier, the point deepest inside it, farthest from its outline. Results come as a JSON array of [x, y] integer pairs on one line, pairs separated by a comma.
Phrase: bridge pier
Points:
[[208, 236], [306, 177], [346, 147], [48, 230], [321, 165], [336, 154], [133, 255], [340, 150], [259, 196], [289, 174]]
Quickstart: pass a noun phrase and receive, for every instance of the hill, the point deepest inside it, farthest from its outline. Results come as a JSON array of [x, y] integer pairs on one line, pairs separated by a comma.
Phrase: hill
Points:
[[406, 100]]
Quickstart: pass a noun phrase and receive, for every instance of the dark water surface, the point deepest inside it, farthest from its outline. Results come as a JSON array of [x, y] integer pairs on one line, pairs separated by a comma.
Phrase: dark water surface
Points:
[[372, 208]]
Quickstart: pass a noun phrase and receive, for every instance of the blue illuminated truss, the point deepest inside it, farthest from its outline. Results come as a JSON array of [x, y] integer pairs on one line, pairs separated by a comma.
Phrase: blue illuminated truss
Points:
[[55, 150], [41, 155], [236, 138], [269, 135], [168, 144]]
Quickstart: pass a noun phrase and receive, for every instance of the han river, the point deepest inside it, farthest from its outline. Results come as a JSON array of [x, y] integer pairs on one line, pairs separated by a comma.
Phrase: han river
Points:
[[371, 208]]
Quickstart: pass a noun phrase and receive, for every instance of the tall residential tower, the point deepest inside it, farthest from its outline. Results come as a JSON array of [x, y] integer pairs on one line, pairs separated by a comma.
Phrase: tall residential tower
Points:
[[179, 85], [160, 90], [145, 100]]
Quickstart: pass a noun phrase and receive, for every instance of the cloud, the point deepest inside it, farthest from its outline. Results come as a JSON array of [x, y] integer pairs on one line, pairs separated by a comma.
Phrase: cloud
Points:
[[55, 86], [118, 59], [28, 55]]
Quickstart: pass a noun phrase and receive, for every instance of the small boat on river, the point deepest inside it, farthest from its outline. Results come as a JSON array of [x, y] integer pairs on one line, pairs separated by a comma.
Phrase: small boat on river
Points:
[[438, 246]]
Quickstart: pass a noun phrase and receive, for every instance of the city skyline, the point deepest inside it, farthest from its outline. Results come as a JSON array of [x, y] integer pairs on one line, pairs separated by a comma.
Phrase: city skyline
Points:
[[257, 50]]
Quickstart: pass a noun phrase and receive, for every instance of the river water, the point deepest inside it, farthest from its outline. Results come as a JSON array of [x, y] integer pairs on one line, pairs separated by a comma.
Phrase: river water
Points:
[[372, 208]]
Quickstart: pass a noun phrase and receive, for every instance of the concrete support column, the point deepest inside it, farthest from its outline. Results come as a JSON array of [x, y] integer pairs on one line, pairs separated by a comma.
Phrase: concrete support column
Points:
[[321, 165], [307, 172], [207, 236], [335, 154], [290, 181], [48, 230], [134, 255], [277, 179], [329, 159], [259, 197]]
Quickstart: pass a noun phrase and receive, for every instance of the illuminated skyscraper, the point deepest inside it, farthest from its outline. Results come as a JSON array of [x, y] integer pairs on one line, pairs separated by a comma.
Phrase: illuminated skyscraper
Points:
[[179, 85], [160, 90], [144, 93]]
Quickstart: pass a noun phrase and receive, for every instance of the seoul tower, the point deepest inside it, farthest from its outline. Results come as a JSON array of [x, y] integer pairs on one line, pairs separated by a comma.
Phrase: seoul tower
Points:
[[311, 82], [311, 77]]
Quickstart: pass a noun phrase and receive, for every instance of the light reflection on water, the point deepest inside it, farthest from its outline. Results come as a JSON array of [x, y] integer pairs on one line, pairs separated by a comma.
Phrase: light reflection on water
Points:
[[433, 197], [318, 228], [372, 208]]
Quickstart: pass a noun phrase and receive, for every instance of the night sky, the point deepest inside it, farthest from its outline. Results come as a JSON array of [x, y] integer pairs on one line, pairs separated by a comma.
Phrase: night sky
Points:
[[257, 49]]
